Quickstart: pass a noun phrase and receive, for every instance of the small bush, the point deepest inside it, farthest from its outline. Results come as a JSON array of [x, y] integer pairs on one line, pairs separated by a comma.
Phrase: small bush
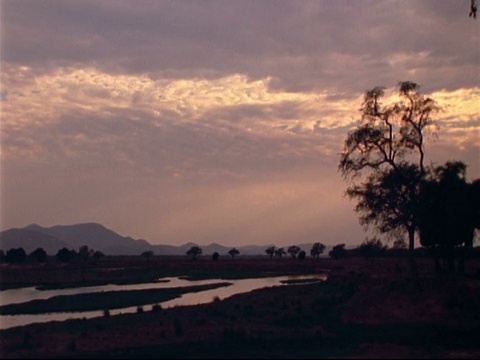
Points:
[[156, 308]]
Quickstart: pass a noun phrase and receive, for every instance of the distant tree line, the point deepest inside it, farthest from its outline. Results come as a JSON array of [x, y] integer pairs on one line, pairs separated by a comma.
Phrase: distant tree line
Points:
[[195, 251], [442, 253], [39, 255]]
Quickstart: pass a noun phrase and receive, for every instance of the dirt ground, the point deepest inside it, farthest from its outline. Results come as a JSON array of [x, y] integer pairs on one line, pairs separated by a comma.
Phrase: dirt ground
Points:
[[368, 308]]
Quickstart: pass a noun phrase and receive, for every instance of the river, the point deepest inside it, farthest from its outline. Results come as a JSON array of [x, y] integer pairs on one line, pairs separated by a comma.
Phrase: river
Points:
[[15, 296]]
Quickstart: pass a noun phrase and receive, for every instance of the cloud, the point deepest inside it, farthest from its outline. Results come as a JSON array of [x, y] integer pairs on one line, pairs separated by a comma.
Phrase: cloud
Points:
[[303, 46], [214, 121]]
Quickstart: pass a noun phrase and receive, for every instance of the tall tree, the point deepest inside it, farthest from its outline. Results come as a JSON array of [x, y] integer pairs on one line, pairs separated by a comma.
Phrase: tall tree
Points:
[[270, 251], [38, 255], [233, 252], [450, 213], [317, 249], [280, 252], [372, 248], [338, 251], [64, 255], [387, 150], [16, 256], [148, 254], [194, 251], [84, 252], [293, 250]]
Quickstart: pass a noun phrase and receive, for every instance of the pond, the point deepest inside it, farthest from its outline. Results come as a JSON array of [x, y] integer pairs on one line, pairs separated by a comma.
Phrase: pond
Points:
[[21, 295]]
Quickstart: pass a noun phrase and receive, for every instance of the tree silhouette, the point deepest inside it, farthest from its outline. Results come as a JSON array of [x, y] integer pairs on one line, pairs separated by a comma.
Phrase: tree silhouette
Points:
[[317, 249], [15, 256], [39, 255], [215, 256], [372, 248], [270, 251], [301, 255], [148, 254], [64, 255], [97, 255], [450, 213], [280, 252], [194, 251], [293, 250], [338, 251], [84, 252], [233, 252], [378, 149]]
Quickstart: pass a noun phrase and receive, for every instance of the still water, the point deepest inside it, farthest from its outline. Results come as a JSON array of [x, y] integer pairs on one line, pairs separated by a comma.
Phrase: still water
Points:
[[238, 286]]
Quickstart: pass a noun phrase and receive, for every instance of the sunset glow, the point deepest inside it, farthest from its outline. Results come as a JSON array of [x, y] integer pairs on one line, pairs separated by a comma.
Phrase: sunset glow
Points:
[[215, 128]]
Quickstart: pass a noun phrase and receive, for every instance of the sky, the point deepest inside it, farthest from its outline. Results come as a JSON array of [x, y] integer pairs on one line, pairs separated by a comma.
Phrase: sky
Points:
[[216, 121]]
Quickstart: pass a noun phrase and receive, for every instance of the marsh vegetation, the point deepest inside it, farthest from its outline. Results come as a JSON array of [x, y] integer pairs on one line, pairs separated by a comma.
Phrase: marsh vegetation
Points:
[[368, 307]]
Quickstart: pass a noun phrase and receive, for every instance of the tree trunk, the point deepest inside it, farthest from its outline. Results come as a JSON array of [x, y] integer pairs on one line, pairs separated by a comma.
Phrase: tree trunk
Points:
[[411, 255]]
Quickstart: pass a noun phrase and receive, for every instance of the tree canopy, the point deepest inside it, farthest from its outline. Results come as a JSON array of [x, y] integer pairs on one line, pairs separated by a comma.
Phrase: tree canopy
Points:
[[387, 150], [233, 252], [450, 208], [398, 192], [293, 250], [194, 252], [317, 249]]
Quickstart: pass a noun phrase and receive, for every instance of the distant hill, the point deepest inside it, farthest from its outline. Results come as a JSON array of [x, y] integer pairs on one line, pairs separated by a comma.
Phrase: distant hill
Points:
[[30, 240], [98, 237]]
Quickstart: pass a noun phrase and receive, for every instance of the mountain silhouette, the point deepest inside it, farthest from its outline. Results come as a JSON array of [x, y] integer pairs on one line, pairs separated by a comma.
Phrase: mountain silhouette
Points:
[[52, 239], [98, 237], [30, 240]]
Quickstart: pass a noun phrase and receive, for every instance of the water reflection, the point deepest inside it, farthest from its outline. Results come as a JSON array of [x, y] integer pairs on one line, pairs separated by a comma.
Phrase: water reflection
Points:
[[238, 286]]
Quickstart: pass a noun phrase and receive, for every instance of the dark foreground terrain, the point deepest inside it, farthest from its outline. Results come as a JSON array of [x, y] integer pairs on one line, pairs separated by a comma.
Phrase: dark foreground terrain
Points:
[[368, 308]]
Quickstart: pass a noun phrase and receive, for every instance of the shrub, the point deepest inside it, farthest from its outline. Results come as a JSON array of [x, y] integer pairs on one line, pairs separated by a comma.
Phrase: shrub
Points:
[[156, 308], [39, 255], [16, 256]]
